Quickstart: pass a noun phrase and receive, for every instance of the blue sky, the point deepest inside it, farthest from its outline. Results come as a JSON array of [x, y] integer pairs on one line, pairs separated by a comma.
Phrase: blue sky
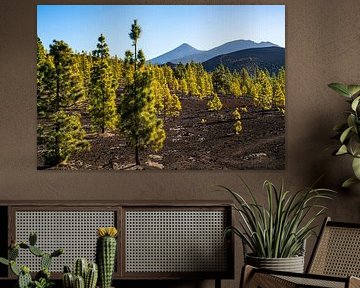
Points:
[[164, 27]]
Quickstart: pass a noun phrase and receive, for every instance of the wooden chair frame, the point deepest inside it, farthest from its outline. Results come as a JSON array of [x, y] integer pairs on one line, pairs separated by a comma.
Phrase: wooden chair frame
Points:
[[255, 277]]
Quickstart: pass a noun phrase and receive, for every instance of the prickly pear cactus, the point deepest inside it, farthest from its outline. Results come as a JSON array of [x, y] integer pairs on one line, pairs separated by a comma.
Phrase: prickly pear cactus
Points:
[[105, 254], [24, 277], [13, 253], [23, 273], [45, 261], [36, 251], [14, 268], [32, 239]]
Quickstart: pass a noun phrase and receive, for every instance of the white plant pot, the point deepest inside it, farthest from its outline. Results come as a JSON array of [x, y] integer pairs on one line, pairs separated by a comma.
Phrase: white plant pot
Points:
[[291, 264]]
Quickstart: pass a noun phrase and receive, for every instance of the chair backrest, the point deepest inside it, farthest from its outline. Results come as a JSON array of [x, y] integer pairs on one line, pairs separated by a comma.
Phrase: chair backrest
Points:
[[337, 251]]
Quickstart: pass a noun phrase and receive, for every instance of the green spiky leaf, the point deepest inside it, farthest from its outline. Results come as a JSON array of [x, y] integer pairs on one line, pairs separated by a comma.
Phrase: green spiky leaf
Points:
[[350, 182], [345, 134], [354, 146], [342, 150], [340, 88], [353, 89], [356, 167], [355, 103], [351, 120], [279, 228], [4, 261], [345, 90]]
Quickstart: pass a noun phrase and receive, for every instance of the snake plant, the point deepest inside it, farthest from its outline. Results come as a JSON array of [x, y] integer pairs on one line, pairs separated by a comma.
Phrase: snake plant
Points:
[[279, 228]]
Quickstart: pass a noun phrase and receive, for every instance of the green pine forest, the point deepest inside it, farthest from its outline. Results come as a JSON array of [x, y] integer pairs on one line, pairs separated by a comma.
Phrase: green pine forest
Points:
[[135, 100]]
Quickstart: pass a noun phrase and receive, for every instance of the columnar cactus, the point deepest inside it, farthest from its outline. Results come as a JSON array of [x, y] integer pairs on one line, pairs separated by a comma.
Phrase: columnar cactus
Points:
[[105, 254], [84, 276], [68, 278], [81, 266], [91, 276], [79, 282]]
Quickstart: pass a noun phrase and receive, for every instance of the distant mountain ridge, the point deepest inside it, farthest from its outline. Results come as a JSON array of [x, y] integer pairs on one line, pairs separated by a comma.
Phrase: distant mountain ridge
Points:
[[269, 58], [182, 51], [189, 53]]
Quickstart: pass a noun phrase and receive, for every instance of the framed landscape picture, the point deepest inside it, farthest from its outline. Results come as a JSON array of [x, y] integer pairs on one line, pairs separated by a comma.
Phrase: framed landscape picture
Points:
[[160, 87]]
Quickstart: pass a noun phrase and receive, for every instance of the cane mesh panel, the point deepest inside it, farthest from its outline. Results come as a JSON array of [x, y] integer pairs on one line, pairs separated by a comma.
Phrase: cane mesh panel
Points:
[[175, 241], [74, 231], [338, 253], [313, 282]]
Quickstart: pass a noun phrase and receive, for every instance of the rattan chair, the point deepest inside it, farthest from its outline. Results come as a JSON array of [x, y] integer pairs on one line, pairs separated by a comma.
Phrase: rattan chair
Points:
[[335, 262]]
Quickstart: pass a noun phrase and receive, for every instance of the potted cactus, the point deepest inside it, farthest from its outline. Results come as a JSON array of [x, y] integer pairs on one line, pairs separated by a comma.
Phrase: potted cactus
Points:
[[42, 278], [85, 275], [105, 254]]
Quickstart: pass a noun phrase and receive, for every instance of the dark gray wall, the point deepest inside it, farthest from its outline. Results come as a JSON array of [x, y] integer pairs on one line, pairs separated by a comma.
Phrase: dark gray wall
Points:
[[322, 46]]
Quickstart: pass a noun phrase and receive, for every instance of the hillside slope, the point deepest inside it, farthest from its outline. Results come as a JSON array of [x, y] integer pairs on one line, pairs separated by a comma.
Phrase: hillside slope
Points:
[[270, 58]]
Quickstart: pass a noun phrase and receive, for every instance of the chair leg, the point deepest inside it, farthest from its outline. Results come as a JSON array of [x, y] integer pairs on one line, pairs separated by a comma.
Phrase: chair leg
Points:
[[217, 283], [246, 273]]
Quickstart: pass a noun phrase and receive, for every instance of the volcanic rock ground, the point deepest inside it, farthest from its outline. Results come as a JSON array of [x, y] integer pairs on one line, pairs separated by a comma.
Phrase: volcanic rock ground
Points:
[[197, 140]]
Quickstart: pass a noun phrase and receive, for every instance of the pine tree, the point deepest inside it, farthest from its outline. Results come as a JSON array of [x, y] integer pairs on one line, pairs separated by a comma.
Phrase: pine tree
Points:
[[221, 78], [209, 89], [63, 134], [254, 91], [237, 125], [184, 87], [246, 82], [167, 104], [266, 92], [214, 104], [66, 139], [279, 96], [170, 79], [117, 70], [45, 80], [138, 118], [235, 86], [279, 90], [85, 63], [103, 90], [191, 80], [281, 79]]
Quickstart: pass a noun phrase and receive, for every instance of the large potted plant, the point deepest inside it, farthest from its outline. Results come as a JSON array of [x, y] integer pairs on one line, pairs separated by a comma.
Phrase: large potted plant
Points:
[[274, 235], [349, 131]]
